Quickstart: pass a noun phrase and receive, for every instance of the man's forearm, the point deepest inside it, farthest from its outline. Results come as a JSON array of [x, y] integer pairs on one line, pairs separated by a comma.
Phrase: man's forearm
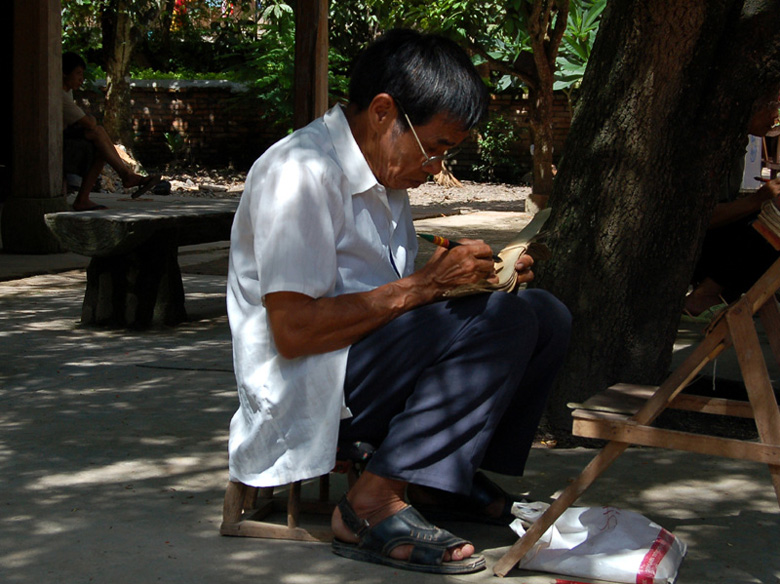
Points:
[[303, 325]]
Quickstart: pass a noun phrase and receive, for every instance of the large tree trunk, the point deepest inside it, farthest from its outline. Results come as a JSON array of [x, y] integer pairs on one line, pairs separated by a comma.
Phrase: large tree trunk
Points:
[[663, 113], [118, 45]]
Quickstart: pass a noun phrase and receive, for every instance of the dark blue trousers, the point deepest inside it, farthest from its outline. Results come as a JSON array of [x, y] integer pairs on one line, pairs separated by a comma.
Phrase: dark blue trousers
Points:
[[455, 386]]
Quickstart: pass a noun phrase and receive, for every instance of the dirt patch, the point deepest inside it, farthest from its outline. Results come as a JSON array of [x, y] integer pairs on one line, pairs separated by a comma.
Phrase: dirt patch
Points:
[[429, 199], [472, 196]]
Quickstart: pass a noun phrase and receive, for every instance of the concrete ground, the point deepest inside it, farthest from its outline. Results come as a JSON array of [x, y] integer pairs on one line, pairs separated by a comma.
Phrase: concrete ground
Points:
[[113, 458]]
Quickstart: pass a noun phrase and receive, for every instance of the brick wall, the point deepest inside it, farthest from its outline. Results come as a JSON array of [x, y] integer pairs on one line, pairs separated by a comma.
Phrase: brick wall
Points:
[[218, 121], [220, 124]]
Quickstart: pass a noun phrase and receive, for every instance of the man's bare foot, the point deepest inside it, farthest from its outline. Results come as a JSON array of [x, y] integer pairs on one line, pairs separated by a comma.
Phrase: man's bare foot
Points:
[[375, 498], [132, 180]]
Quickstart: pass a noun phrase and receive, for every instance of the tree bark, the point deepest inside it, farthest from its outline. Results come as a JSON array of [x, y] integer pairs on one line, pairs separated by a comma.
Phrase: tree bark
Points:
[[662, 115], [540, 119], [118, 44]]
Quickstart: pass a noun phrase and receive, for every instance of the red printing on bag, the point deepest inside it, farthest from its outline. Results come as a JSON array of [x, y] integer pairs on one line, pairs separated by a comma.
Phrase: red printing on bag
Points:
[[653, 558]]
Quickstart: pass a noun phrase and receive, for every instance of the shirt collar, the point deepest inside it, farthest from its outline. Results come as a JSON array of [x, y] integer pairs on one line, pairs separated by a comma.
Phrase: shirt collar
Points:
[[353, 163]]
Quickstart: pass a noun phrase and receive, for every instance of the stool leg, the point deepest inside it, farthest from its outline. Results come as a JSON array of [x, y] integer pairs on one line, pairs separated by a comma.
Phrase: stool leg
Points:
[[294, 505], [234, 502], [250, 498], [324, 488]]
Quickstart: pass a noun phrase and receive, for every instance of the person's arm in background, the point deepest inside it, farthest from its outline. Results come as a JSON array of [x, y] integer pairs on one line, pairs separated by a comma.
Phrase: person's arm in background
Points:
[[725, 213]]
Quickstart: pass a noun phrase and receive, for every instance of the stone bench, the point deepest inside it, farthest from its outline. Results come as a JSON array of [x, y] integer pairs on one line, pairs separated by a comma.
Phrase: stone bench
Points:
[[133, 278]]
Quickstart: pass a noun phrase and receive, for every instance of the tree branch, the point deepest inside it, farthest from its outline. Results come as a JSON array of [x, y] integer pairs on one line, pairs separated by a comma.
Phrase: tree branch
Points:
[[502, 67], [558, 31]]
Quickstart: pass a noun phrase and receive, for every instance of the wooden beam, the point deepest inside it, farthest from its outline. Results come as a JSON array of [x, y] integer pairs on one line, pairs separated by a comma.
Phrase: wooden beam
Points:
[[36, 140], [602, 428], [310, 84], [37, 99]]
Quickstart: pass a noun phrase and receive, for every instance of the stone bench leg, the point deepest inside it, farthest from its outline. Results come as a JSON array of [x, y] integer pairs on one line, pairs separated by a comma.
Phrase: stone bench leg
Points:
[[136, 289]]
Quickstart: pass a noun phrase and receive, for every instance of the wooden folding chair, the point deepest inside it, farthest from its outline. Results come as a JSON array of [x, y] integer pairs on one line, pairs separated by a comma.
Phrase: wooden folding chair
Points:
[[624, 413]]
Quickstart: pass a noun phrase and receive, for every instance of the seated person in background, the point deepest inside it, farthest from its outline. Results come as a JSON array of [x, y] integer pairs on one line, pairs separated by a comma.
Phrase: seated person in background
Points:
[[79, 125], [734, 255], [337, 338]]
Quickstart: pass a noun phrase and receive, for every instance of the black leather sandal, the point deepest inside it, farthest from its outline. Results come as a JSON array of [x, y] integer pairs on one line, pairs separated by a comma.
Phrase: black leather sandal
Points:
[[407, 527]]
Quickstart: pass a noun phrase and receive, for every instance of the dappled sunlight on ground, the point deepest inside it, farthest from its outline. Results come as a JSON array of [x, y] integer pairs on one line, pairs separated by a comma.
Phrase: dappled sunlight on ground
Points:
[[113, 464]]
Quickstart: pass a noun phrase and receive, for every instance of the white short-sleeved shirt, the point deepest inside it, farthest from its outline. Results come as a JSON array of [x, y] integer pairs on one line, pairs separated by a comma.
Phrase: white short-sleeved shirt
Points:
[[312, 219], [71, 113]]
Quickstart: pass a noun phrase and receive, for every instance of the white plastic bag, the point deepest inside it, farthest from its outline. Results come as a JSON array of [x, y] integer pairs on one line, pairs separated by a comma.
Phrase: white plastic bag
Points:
[[603, 543]]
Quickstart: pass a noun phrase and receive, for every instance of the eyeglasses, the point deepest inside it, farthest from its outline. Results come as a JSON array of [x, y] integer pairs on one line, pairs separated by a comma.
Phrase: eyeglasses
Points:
[[429, 160]]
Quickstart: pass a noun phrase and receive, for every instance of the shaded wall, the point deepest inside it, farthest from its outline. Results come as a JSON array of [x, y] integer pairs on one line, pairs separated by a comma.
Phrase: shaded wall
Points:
[[211, 123], [6, 114]]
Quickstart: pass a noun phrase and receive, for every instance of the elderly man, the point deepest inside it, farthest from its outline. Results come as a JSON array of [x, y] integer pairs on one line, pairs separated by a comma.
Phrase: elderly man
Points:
[[336, 337]]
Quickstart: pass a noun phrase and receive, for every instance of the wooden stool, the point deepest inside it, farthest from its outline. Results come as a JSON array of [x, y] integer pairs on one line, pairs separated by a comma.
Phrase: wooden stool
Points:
[[246, 507], [624, 413]]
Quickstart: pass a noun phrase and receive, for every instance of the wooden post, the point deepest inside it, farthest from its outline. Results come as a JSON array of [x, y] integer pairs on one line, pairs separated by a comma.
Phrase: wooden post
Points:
[[36, 187], [311, 61]]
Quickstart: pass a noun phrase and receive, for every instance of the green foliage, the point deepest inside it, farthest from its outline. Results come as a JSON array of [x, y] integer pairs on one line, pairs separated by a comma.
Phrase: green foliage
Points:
[[269, 73], [577, 42], [176, 143], [81, 27], [497, 161], [179, 75], [199, 40], [501, 30], [254, 43], [351, 26]]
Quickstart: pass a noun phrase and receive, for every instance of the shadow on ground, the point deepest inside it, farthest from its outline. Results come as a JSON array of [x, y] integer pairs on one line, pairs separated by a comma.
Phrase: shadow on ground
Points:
[[113, 464]]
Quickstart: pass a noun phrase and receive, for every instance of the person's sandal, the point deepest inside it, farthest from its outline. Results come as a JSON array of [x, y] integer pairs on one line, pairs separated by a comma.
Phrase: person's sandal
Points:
[[148, 183], [407, 527]]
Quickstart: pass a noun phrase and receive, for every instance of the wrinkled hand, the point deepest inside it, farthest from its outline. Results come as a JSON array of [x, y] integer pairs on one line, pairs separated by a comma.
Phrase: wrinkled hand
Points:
[[523, 267], [469, 263]]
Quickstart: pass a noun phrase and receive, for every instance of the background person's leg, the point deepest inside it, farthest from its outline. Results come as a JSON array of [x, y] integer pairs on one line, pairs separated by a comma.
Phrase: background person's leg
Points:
[[88, 180]]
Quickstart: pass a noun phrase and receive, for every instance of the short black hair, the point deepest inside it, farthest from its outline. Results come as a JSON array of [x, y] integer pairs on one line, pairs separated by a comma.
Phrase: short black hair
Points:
[[70, 61], [427, 74]]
